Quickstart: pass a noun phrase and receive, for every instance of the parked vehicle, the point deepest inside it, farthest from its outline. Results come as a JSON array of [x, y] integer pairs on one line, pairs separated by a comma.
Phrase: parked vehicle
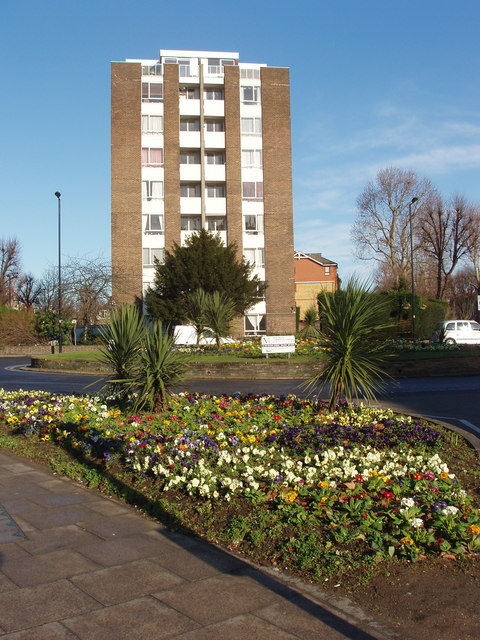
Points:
[[457, 332], [186, 335]]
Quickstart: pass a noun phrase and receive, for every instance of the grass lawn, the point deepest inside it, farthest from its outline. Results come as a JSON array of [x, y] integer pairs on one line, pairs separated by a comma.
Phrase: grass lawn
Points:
[[419, 353]]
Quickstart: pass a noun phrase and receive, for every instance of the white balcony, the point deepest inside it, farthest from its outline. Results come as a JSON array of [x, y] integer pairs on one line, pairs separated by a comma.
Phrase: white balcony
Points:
[[215, 172], [214, 108], [190, 139], [189, 107], [153, 205], [190, 172], [214, 140], [216, 205], [252, 207], [191, 205]]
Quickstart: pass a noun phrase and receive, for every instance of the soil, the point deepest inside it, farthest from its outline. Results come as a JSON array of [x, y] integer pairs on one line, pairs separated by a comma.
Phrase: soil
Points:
[[428, 600]]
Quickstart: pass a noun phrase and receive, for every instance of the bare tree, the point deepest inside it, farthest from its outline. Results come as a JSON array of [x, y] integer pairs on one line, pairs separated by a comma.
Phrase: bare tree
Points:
[[29, 291], [9, 268], [88, 283], [446, 232], [462, 291], [474, 246], [381, 230]]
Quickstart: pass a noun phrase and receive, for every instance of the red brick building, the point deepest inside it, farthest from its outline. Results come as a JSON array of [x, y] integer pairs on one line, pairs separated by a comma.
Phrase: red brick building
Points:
[[313, 274]]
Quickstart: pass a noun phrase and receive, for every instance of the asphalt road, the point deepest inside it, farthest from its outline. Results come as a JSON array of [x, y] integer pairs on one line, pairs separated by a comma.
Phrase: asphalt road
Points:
[[451, 399]]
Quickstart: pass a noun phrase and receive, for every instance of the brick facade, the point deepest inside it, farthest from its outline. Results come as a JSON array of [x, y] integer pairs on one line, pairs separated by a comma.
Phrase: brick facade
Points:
[[126, 183], [277, 171]]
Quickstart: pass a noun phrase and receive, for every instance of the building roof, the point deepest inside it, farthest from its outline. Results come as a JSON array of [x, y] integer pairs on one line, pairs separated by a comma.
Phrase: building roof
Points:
[[316, 257]]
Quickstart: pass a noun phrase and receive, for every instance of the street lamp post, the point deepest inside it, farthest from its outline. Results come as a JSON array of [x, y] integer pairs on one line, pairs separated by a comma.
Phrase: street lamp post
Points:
[[411, 265], [58, 194]]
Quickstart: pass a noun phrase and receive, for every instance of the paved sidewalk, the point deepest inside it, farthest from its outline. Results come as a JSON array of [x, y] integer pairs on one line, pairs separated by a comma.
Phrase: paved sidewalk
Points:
[[74, 564]]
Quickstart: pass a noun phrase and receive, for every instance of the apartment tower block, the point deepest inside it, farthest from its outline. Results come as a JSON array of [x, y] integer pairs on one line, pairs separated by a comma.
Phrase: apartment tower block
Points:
[[200, 140]]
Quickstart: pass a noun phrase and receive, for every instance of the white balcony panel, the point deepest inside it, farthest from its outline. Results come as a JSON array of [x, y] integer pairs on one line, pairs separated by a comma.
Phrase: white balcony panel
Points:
[[189, 107], [252, 207], [153, 205], [252, 175], [214, 78], [190, 139], [215, 172], [214, 107], [253, 240], [190, 172], [153, 241], [250, 110], [191, 205], [152, 173], [154, 140], [215, 205], [214, 140], [152, 108]]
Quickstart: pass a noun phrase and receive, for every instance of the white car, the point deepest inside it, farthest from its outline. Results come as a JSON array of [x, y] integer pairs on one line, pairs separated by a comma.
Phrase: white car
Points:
[[457, 332]]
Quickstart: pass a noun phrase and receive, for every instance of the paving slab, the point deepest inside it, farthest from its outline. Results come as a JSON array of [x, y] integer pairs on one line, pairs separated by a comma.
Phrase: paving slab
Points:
[[75, 565]]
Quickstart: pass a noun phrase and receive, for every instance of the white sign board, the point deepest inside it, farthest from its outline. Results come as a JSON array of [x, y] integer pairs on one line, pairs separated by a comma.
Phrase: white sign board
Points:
[[278, 344]]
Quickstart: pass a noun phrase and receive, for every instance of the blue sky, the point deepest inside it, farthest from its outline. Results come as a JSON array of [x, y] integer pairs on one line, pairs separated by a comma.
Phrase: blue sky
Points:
[[373, 83]]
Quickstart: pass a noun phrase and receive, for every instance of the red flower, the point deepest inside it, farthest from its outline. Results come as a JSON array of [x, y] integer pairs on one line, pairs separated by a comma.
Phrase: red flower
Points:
[[388, 495], [277, 417]]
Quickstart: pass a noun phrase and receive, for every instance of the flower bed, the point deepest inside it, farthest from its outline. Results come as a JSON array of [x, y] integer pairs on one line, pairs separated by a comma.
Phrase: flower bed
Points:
[[324, 489]]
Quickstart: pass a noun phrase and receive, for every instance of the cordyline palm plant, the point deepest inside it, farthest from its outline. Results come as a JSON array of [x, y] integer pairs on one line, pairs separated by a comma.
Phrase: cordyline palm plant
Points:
[[121, 340], [310, 329], [218, 315], [352, 352], [195, 311], [143, 358], [159, 367]]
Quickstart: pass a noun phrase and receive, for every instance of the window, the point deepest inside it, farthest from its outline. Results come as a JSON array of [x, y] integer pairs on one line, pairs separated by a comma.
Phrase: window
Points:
[[250, 74], [215, 125], [153, 223], [213, 93], [253, 224], [150, 255], [152, 92], [215, 190], [190, 93], [190, 157], [154, 70], [252, 190], [152, 124], [152, 157], [215, 157], [190, 223], [190, 190], [250, 95], [184, 64], [251, 126], [255, 257], [255, 324], [190, 124], [152, 190], [252, 158], [327, 271], [216, 224]]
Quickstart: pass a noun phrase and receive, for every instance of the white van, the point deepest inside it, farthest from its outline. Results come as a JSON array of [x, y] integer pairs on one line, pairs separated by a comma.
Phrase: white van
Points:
[[185, 335], [457, 332]]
